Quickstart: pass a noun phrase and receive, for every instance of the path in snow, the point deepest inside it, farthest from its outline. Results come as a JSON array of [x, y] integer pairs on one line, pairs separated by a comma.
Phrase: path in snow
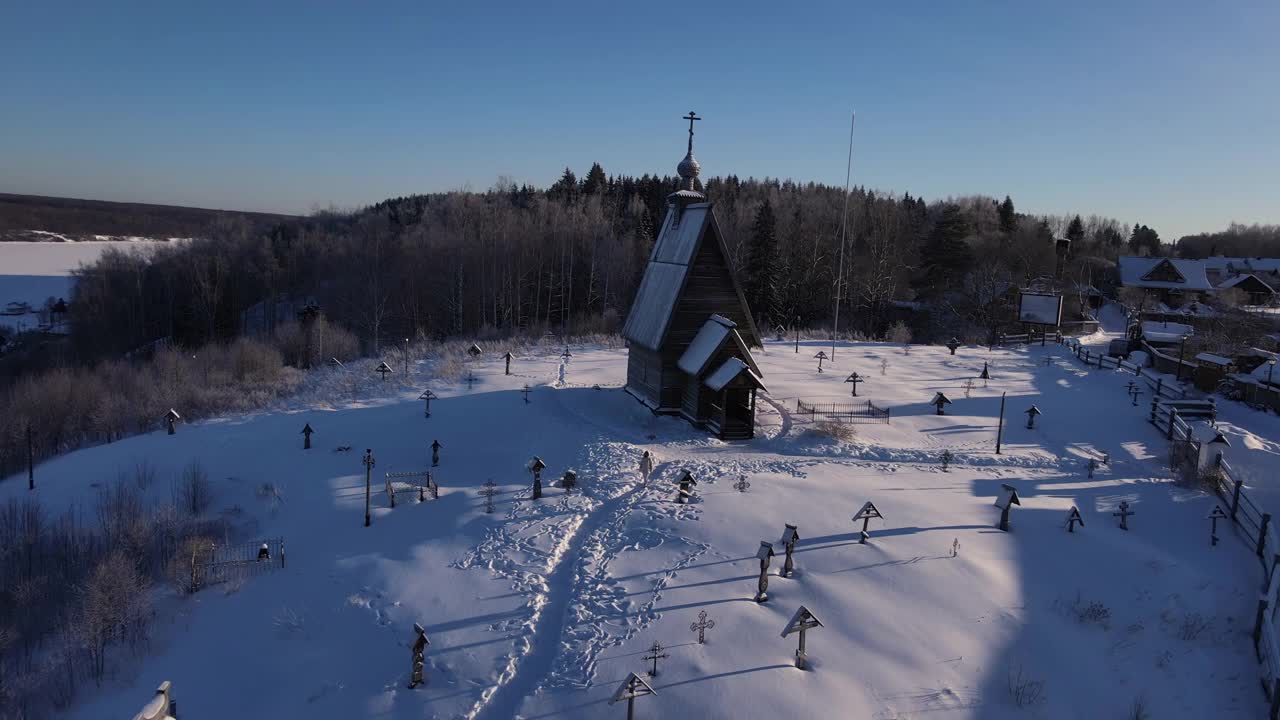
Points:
[[527, 670]]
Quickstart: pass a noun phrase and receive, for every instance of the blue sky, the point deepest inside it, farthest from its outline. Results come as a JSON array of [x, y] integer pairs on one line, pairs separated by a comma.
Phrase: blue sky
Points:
[[1164, 113]]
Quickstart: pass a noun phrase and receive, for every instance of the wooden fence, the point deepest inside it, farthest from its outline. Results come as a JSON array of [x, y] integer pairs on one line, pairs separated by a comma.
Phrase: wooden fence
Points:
[[851, 412], [1169, 409]]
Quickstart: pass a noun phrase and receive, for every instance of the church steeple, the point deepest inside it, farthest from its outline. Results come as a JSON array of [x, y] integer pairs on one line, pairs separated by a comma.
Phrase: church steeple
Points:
[[688, 169]]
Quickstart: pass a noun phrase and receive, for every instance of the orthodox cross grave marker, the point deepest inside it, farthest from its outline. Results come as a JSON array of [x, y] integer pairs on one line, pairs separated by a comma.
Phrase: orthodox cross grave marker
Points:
[[536, 466], [801, 622], [789, 539], [866, 515], [855, 378], [741, 485], [1214, 516], [940, 401], [952, 344], [764, 554], [383, 369], [569, 481], [704, 624], [420, 644], [427, 396], [1032, 413], [655, 654], [488, 490], [968, 386], [1124, 514], [306, 436], [779, 333], [985, 375], [946, 459], [435, 453], [1073, 519], [1134, 393], [471, 379], [1005, 501], [171, 418], [685, 493], [508, 357], [474, 350], [369, 462], [630, 689], [884, 366], [822, 355], [646, 466], [526, 393], [1093, 465], [906, 349]]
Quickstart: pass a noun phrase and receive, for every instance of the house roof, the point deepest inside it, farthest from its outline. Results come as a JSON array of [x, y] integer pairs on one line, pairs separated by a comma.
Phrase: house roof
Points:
[[1238, 279], [710, 338], [682, 234], [1213, 359], [1137, 271], [730, 369], [1198, 274]]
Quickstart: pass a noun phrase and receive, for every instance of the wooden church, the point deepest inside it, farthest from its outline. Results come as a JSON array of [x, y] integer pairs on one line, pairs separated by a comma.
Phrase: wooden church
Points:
[[690, 332]]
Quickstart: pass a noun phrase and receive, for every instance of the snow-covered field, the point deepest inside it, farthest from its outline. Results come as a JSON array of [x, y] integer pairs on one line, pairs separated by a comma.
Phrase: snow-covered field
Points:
[[33, 271], [542, 608]]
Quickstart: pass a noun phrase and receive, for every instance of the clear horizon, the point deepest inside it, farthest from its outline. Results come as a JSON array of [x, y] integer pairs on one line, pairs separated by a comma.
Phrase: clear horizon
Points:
[[1154, 113]]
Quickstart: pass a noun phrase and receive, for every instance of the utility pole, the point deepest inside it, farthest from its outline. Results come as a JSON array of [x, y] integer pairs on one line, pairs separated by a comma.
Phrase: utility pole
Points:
[[844, 221]]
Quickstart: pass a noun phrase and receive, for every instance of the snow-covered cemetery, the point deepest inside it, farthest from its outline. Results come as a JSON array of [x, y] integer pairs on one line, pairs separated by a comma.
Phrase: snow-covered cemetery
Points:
[[434, 361], [701, 517]]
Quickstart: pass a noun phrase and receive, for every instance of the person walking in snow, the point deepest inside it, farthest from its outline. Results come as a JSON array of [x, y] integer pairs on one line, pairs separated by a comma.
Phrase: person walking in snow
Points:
[[646, 466]]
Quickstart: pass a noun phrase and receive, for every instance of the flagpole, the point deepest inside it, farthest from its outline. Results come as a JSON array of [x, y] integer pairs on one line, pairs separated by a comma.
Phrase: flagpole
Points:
[[844, 222]]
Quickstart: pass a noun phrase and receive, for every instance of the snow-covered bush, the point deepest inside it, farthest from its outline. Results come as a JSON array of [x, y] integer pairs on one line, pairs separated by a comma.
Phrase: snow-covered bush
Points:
[[830, 429], [899, 333]]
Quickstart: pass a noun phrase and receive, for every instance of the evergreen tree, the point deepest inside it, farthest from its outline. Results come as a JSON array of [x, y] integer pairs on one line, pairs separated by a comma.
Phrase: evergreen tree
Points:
[[1075, 231], [945, 255], [1144, 238], [565, 187], [762, 264], [595, 182], [1008, 216]]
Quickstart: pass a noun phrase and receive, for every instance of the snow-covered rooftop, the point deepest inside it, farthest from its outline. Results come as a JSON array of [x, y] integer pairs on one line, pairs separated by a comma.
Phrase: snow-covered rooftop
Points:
[[1213, 359], [705, 344], [1134, 270], [729, 370], [664, 276]]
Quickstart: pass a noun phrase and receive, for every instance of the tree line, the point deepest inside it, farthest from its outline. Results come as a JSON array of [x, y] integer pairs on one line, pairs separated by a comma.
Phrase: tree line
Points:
[[569, 259]]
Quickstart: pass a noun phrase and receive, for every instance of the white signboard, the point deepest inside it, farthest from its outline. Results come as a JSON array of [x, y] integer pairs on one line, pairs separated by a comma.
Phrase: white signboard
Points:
[[1040, 308]]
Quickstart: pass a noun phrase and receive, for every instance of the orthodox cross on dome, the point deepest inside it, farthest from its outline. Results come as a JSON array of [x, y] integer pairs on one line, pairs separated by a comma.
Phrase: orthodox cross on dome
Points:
[[691, 117], [689, 168]]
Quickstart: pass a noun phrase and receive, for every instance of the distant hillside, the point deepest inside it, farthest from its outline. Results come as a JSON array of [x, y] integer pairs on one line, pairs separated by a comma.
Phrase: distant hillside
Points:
[[76, 219]]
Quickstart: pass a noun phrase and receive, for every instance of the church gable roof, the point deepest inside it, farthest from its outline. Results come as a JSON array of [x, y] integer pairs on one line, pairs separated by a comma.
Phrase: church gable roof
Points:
[[710, 338], [683, 232], [728, 371]]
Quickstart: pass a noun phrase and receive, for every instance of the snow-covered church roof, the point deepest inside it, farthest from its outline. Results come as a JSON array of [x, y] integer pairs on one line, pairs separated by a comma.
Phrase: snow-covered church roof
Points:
[[730, 369], [710, 338], [665, 275]]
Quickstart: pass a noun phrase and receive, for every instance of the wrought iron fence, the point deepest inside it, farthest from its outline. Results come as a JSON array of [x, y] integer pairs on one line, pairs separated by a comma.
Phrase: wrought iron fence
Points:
[[851, 412]]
